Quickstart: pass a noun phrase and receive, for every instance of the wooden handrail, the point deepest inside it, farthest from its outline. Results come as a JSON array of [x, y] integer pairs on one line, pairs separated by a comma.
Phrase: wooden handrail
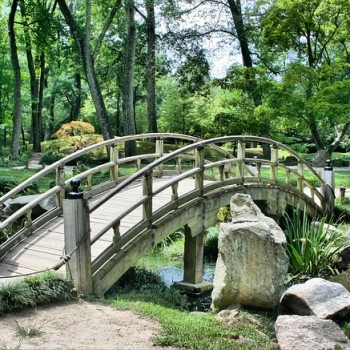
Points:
[[156, 167]]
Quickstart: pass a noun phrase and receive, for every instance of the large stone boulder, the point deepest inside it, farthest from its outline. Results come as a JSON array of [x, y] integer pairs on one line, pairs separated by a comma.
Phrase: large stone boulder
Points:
[[327, 300], [252, 263], [308, 333]]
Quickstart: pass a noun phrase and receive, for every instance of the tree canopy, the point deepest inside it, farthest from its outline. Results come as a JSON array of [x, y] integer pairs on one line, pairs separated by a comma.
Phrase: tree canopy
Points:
[[136, 66]]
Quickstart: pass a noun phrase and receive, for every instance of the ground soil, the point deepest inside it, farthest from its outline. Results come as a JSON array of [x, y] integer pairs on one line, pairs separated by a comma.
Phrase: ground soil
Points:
[[77, 326]]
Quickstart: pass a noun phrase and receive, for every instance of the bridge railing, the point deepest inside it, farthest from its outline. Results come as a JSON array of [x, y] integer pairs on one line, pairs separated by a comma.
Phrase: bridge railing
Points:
[[116, 160], [223, 172]]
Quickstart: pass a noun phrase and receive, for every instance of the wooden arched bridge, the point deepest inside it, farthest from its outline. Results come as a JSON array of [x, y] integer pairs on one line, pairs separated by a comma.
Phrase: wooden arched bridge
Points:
[[181, 182]]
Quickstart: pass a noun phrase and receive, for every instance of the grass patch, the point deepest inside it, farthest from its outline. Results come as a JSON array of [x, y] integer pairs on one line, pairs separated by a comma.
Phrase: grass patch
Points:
[[182, 329], [144, 292], [27, 331], [342, 179], [19, 175], [35, 290]]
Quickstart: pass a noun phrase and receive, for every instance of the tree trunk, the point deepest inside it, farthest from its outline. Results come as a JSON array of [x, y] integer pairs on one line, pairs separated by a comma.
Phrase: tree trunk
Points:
[[34, 83], [76, 103], [252, 89], [17, 98], [41, 93], [128, 90], [151, 67], [83, 43], [118, 124]]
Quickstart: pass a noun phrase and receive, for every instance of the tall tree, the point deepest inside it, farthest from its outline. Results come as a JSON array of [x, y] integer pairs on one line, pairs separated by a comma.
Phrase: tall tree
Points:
[[82, 39], [128, 90], [151, 66], [34, 82], [314, 88], [233, 23], [17, 105]]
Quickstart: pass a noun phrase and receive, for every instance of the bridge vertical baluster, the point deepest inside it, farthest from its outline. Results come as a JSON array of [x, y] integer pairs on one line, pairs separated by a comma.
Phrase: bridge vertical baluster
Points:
[[199, 163], [88, 182], [288, 177], [28, 218], [240, 157], [138, 164], [258, 169], [178, 165], [274, 165], [221, 172], [312, 190], [148, 192], [301, 178], [174, 194], [114, 157], [60, 182], [116, 232], [160, 153]]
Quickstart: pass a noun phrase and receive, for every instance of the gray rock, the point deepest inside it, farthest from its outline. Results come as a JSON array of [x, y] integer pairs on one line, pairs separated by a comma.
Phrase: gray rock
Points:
[[290, 161], [12, 205], [327, 300], [252, 262], [308, 333]]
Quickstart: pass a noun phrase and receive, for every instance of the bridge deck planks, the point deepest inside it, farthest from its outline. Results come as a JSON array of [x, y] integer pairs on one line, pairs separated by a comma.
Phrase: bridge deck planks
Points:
[[45, 246]]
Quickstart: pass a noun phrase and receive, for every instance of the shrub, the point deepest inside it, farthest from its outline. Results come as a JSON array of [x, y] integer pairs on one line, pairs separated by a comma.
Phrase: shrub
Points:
[[7, 184], [313, 248], [340, 162], [35, 290], [50, 157], [211, 244], [72, 129]]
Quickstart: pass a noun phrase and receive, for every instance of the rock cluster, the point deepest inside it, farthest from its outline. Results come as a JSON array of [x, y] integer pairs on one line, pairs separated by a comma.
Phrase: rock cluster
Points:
[[251, 270], [314, 305]]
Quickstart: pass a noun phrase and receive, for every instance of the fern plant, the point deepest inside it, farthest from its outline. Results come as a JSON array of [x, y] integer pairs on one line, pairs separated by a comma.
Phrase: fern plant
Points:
[[313, 248]]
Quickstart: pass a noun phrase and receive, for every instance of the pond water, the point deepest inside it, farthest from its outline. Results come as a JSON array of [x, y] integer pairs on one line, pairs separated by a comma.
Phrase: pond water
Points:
[[172, 270]]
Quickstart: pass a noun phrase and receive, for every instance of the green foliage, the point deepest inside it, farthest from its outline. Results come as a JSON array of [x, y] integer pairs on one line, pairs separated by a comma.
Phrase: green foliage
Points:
[[346, 328], [342, 209], [211, 244], [140, 284], [50, 157], [7, 184], [313, 248], [15, 297], [342, 179], [27, 331], [74, 128], [224, 214], [313, 92], [184, 330], [35, 290], [193, 74], [172, 246]]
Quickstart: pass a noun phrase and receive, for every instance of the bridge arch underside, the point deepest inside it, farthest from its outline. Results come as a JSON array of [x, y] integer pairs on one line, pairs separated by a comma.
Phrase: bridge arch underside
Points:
[[198, 215]]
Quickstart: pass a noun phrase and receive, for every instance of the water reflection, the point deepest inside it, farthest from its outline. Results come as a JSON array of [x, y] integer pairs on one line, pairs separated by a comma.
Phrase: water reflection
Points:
[[172, 270]]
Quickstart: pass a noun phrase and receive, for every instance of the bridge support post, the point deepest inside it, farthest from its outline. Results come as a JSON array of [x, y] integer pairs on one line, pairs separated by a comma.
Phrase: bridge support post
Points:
[[193, 264], [77, 239], [328, 188]]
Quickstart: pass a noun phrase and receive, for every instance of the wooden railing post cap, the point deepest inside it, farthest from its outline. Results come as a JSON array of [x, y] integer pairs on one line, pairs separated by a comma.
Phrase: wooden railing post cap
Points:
[[329, 165], [75, 192]]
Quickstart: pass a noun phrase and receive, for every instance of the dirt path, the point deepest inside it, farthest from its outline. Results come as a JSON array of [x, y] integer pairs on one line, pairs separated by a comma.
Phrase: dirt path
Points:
[[76, 326]]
